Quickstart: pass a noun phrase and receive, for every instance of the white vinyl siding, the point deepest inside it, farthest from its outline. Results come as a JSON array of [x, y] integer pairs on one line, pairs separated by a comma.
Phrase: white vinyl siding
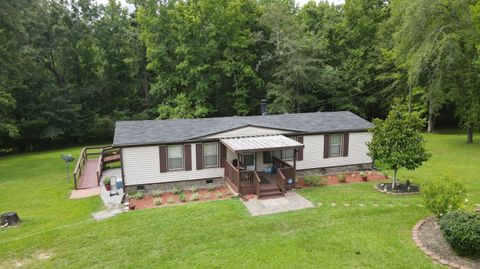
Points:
[[210, 155], [141, 165], [313, 152]]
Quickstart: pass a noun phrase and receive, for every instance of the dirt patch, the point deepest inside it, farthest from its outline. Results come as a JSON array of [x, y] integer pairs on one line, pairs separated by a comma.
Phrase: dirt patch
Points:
[[169, 198], [18, 263], [351, 177], [432, 239]]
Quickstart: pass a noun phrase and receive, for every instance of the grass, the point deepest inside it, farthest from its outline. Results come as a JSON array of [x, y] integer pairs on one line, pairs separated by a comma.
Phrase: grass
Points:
[[373, 231]]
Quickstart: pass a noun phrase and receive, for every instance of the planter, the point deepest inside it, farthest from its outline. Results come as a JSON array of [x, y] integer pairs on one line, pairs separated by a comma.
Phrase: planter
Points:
[[364, 178], [131, 207], [108, 187]]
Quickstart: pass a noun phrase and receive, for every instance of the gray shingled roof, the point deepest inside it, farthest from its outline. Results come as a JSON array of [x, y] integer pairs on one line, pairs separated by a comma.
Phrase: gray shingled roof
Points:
[[177, 130]]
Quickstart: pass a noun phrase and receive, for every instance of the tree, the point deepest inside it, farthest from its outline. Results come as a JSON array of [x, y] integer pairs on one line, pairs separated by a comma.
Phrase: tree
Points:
[[180, 107], [396, 141]]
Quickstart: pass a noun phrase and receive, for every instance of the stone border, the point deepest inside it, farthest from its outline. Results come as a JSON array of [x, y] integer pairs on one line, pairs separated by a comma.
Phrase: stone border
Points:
[[394, 193], [433, 256]]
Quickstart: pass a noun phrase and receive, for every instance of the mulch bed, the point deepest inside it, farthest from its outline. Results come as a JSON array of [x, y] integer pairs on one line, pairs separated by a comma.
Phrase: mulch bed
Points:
[[351, 177], [428, 236], [203, 194], [400, 188]]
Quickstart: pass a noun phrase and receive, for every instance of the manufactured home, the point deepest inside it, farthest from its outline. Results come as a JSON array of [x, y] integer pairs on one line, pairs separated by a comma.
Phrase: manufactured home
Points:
[[262, 155]]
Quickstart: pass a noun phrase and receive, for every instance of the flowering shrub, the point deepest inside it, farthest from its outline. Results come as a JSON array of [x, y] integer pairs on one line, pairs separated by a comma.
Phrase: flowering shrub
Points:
[[444, 195]]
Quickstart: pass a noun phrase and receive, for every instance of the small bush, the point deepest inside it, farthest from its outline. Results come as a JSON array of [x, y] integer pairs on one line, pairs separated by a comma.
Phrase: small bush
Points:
[[342, 177], [170, 200], [176, 190], [443, 196], [219, 195], [194, 189], [156, 194], [195, 196], [182, 197], [157, 201], [461, 229], [315, 179], [138, 195]]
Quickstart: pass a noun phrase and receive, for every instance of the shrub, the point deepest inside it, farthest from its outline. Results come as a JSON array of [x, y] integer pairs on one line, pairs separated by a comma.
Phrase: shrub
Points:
[[157, 201], [443, 196], [182, 197], [156, 194], [138, 195], [315, 179], [176, 190], [106, 181], [170, 200], [194, 189], [195, 196], [461, 229], [219, 195], [342, 177], [211, 188]]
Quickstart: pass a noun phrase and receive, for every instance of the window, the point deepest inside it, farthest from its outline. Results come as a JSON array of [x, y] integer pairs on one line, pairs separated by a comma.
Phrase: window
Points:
[[277, 154], [175, 157], [267, 157], [210, 154], [287, 154], [335, 145]]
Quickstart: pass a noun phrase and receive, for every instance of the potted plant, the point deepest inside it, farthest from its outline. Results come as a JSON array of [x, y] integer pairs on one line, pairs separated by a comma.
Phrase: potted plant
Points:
[[107, 182], [363, 175]]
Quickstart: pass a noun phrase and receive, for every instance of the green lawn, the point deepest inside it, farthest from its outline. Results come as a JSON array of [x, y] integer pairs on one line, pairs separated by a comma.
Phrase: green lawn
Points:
[[58, 232]]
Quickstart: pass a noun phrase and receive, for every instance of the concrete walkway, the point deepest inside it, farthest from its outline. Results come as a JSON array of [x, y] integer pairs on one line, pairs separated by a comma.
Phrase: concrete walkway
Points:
[[111, 199], [290, 202]]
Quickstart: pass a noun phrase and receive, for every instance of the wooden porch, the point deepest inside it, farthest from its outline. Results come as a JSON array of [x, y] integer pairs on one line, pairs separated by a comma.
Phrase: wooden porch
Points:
[[91, 163], [258, 182]]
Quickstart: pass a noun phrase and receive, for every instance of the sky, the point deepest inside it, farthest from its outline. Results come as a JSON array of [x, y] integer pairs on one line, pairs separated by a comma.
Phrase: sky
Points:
[[299, 2]]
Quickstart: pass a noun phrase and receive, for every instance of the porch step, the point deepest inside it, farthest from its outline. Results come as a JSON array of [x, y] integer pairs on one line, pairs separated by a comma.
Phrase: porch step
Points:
[[264, 194]]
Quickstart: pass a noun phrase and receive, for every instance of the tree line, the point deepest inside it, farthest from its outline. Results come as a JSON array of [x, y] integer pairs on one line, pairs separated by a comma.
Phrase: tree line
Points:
[[70, 69]]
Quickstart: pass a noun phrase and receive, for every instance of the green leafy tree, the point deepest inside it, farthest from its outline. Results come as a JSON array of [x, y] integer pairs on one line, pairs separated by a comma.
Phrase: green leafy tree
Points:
[[396, 141], [181, 107]]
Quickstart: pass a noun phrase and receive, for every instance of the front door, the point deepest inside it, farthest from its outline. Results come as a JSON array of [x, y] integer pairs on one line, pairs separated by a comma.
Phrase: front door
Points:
[[248, 161]]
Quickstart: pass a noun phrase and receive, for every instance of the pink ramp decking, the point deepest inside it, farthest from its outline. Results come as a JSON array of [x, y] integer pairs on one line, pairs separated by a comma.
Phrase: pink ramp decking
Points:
[[88, 179]]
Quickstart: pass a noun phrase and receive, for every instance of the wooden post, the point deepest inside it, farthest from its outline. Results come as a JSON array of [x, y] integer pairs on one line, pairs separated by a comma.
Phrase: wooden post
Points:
[[238, 172], [295, 153]]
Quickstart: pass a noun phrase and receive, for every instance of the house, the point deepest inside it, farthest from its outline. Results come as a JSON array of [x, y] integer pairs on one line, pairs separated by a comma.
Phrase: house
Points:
[[240, 151]]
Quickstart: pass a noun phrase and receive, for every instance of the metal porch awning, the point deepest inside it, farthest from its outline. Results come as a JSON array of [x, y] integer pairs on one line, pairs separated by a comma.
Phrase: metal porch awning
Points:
[[260, 143]]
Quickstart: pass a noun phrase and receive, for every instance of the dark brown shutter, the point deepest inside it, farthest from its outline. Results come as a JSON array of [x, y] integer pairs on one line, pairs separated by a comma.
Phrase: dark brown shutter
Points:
[[326, 145], [345, 144], [300, 151], [199, 154], [187, 152], [163, 159], [223, 154]]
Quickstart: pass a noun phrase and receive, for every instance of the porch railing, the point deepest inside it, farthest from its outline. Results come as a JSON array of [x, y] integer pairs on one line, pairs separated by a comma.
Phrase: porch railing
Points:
[[286, 170], [281, 181], [232, 175], [88, 153], [257, 183], [243, 181]]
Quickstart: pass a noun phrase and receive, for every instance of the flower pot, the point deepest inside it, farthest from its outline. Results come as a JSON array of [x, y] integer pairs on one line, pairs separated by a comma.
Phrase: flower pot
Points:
[[108, 187], [131, 207], [364, 178]]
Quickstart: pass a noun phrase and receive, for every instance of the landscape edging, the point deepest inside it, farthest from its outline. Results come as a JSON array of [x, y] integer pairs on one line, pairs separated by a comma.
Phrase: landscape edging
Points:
[[393, 193], [433, 256]]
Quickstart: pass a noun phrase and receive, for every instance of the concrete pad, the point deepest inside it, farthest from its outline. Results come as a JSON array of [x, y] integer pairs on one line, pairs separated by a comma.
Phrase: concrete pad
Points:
[[105, 214], [83, 193], [290, 202]]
